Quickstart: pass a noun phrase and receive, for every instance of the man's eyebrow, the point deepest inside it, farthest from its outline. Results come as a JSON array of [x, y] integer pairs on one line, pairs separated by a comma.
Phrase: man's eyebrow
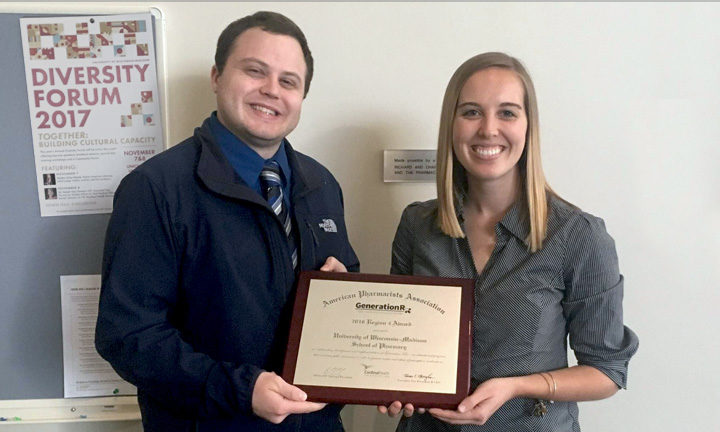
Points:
[[253, 60], [265, 65]]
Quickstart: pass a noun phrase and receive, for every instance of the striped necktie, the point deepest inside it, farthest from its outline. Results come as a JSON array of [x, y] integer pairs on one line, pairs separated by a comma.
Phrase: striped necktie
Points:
[[272, 191]]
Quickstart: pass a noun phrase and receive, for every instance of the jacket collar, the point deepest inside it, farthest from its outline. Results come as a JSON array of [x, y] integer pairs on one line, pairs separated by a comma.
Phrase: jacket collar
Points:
[[215, 171], [306, 178]]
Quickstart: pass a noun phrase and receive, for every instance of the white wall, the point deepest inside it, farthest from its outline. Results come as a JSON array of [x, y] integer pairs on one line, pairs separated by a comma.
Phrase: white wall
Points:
[[629, 98]]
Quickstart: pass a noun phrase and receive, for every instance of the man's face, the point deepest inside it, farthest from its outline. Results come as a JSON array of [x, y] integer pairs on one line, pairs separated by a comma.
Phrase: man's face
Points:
[[261, 89]]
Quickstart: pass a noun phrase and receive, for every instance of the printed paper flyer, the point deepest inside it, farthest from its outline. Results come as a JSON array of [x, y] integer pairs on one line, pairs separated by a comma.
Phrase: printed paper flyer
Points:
[[94, 106], [86, 374]]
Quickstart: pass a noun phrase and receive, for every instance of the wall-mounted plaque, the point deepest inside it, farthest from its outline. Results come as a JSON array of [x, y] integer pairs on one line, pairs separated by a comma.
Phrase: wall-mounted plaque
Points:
[[374, 339], [409, 165]]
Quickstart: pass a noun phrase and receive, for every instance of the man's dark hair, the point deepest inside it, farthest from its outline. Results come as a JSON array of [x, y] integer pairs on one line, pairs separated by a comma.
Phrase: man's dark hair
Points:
[[270, 22]]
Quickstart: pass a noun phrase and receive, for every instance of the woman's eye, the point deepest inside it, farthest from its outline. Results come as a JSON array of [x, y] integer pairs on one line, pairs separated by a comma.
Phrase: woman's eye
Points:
[[507, 114], [471, 113]]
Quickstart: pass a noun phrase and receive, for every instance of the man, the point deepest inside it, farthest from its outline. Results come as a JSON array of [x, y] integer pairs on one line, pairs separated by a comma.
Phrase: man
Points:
[[199, 270]]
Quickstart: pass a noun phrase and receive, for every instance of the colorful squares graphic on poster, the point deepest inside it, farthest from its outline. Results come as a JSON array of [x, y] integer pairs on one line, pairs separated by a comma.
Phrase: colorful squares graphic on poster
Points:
[[136, 108], [121, 35], [125, 120], [97, 40], [81, 28], [67, 41], [142, 50], [50, 29], [75, 52], [146, 96], [33, 32], [42, 53], [129, 27], [122, 27], [148, 120], [106, 28]]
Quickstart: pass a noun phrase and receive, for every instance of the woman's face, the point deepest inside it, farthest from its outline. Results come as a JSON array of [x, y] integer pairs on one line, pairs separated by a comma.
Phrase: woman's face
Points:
[[490, 125]]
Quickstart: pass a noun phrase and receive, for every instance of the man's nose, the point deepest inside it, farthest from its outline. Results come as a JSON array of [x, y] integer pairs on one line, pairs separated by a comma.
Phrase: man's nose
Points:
[[271, 87]]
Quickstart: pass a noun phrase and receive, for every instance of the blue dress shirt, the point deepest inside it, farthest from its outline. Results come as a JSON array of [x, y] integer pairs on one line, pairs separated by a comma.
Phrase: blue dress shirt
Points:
[[247, 163]]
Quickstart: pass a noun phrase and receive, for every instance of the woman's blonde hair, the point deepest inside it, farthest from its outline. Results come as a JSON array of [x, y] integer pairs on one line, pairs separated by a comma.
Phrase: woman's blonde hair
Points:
[[451, 176]]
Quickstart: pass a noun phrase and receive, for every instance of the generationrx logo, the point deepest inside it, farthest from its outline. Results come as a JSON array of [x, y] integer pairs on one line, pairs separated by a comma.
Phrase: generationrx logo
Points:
[[385, 307]]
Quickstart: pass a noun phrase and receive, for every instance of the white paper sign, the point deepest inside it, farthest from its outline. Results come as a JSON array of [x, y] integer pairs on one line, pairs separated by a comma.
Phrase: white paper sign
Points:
[[86, 373], [94, 106]]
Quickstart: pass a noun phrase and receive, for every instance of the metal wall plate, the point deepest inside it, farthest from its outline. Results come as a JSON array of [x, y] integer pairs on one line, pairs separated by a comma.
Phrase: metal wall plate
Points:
[[409, 165]]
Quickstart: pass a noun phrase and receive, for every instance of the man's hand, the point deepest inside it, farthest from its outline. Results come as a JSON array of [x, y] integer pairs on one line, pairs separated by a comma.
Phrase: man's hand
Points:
[[274, 399], [332, 264]]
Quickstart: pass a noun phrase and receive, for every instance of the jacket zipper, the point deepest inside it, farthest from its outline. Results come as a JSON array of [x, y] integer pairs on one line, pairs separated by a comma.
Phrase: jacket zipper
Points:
[[316, 242]]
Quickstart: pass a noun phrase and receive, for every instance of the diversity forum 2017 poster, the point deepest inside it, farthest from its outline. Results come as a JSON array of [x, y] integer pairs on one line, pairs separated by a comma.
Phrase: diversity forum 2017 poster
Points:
[[94, 106]]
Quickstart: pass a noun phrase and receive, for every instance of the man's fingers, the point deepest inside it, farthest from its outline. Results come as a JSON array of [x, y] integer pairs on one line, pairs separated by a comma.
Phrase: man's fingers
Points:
[[332, 264], [295, 400], [289, 391], [293, 407], [274, 399]]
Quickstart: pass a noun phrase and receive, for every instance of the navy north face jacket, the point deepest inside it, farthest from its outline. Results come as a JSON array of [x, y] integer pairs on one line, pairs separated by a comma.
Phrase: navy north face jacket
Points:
[[197, 285]]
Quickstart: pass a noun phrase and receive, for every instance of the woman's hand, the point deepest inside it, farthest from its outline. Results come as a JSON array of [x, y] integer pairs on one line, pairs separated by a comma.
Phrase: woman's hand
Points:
[[481, 404]]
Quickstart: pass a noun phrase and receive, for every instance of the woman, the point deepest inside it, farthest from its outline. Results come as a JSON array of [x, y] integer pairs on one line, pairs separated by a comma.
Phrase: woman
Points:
[[544, 269]]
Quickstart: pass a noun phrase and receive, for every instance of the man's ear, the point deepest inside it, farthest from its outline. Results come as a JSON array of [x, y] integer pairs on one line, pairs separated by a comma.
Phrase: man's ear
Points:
[[214, 75]]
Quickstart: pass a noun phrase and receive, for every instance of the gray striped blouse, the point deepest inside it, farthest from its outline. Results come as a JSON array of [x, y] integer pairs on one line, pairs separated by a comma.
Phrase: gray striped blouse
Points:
[[527, 305]]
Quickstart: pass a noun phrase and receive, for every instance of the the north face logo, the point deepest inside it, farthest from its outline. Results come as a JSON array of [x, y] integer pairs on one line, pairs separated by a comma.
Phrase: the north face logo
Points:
[[328, 225]]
